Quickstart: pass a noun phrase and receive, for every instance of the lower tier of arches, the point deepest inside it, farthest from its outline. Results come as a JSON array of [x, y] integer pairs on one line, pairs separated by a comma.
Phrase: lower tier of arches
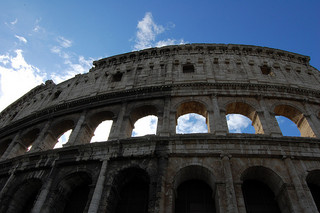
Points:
[[164, 174]]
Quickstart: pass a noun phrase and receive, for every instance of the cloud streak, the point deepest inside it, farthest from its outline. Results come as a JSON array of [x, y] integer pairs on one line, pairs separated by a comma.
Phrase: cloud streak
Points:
[[147, 31], [21, 39]]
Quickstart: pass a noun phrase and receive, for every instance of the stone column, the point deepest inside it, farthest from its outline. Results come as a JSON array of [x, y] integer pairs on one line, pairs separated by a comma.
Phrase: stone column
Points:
[[230, 192], [218, 125], [303, 201], [239, 197], [82, 133], [9, 151], [95, 201], [312, 120], [166, 129], [116, 129], [44, 192], [36, 144], [271, 126], [5, 188]]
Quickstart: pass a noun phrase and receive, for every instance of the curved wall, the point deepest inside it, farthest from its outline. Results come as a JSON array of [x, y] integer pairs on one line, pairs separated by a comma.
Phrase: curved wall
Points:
[[212, 80]]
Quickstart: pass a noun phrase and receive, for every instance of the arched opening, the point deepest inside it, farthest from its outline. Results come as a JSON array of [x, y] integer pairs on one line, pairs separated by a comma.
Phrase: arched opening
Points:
[[130, 192], [101, 123], [296, 117], [192, 117], [313, 181], [22, 198], [145, 126], [243, 118], [143, 121], [63, 139], [194, 196], [258, 197], [59, 134], [4, 145], [72, 193], [27, 141], [194, 190], [264, 191], [288, 127]]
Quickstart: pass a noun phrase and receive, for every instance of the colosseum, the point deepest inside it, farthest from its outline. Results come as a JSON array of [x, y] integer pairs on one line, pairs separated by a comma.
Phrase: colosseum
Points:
[[166, 172]]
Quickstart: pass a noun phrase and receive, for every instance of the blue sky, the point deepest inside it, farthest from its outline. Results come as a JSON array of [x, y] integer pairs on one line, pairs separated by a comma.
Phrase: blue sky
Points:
[[42, 40]]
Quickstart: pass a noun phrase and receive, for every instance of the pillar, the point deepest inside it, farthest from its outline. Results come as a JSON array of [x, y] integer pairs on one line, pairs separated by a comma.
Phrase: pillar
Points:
[[95, 201], [117, 129], [271, 126], [230, 192], [9, 151], [218, 124], [36, 146]]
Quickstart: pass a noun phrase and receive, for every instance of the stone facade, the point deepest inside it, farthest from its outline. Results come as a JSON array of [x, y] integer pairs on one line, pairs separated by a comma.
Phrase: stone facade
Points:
[[212, 80]]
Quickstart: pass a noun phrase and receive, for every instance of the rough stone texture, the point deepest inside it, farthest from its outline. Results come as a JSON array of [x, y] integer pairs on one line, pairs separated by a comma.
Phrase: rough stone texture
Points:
[[209, 79]]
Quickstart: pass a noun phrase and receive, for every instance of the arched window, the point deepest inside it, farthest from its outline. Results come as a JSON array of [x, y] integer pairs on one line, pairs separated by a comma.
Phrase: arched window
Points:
[[144, 120], [242, 118], [27, 140], [313, 181], [296, 117], [4, 145], [287, 127], [130, 192], [264, 191], [63, 139], [258, 197], [72, 193], [22, 198], [101, 123], [59, 134], [145, 126], [191, 117], [194, 196]]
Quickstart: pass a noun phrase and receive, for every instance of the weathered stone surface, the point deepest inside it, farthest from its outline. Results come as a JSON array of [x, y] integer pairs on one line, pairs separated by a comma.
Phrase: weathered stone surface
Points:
[[212, 80]]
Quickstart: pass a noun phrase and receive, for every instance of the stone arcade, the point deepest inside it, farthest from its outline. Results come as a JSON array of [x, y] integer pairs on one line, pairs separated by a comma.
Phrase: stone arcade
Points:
[[205, 172]]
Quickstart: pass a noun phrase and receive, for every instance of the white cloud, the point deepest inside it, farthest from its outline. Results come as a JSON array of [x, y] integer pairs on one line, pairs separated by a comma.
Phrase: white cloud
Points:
[[147, 32], [17, 77], [64, 42], [237, 123], [191, 123], [22, 39], [14, 22], [145, 126], [55, 49], [102, 131]]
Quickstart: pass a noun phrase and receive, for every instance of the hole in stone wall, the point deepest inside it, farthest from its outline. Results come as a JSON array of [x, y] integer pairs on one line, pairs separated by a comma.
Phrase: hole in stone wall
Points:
[[188, 68], [56, 95], [63, 139], [117, 77], [102, 131], [266, 70], [145, 126], [191, 123]]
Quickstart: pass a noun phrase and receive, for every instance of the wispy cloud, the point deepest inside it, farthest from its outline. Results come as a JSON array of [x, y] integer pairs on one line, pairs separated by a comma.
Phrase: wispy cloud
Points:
[[191, 123], [14, 22], [17, 77], [64, 42], [145, 126], [147, 33], [21, 39]]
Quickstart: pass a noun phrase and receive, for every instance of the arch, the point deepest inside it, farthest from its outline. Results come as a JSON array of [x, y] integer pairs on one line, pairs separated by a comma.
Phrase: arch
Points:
[[100, 118], [28, 138], [313, 181], [141, 112], [193, 108], [22, 197], [297, 117], [248, 111], [4, 145], [130, 191], [261, 178], [56, 130], [190, 179], [72, 193]]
